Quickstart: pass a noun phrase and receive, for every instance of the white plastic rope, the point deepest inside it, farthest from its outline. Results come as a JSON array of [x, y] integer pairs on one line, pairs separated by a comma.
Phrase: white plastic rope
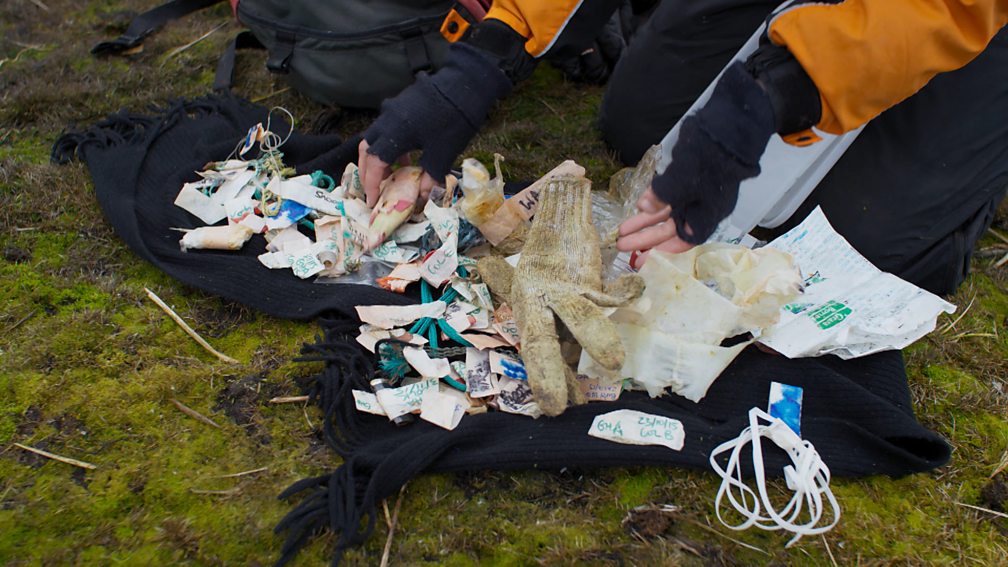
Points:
[[807, 476]]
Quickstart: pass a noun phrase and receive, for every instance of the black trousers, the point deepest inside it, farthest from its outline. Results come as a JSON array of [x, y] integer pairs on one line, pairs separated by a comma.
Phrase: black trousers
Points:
[[915, 190]]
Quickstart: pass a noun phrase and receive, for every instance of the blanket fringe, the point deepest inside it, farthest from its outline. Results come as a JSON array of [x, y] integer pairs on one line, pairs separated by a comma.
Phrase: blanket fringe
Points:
[[126, 128], [340, 500], [346, 368]]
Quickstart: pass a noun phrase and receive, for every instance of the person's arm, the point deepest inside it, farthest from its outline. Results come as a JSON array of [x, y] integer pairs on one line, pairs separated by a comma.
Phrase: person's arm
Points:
[[440, 113], [865, 56], [830, 65]]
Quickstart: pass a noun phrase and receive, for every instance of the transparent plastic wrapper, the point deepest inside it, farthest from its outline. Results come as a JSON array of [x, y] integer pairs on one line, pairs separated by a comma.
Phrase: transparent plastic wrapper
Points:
[[482, 196], [369, 273], [619, 203], [607, 214], [628, 186]]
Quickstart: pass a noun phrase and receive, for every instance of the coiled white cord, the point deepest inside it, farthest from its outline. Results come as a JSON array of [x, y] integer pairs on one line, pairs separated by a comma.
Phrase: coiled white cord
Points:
[[808, 476]]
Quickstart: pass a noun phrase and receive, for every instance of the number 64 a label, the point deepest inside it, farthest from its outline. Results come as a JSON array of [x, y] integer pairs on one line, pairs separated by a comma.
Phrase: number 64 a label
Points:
[[638, 428]]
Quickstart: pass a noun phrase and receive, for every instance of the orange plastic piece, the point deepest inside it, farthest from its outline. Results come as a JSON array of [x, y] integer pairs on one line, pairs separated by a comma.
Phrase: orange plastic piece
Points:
[[454, 26]]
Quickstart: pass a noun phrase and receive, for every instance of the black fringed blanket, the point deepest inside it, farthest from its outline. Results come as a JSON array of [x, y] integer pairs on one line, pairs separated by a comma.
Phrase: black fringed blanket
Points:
[[857, 413], [140, 162]]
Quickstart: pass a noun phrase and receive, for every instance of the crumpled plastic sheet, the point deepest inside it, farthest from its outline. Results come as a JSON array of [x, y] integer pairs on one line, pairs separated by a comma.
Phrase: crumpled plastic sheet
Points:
[[694, 301]]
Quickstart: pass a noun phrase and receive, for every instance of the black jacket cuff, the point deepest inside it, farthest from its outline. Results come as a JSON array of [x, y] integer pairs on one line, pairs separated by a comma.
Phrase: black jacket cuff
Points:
[[793, 95]]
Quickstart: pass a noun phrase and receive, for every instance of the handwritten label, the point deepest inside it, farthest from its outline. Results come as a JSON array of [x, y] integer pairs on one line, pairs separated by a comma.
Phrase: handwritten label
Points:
[[596, 390], [405, 399], [507, 366], [638, 428], [480, 383], [306, 265], [505, 324], [516, 397], [483, 298], [367, 402]]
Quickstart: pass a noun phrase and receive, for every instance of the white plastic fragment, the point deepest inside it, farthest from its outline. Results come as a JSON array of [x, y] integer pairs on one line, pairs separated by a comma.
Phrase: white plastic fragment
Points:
[[389, 316], [638, 428], [807, 476], [194, 201], [516, 397], [276, 260], [367, 402], [693, 301], [442, 408], [483, 342], [306, 264], [288, 240], [505, 365], [392, 253], [850, 308], [300, 190], [409, 272], [231, 188], [426, 366], [224, 237], [410, 232], [480, 382], [405, 399], [504, 323], [441, 265]]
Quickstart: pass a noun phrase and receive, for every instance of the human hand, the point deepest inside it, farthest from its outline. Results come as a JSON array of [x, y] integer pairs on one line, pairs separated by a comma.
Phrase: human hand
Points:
[[438, 115], [372, 171], [650, 229], [718, 147]]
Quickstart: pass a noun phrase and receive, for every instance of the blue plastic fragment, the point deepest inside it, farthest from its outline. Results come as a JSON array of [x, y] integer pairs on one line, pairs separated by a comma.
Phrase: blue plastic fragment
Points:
[[785, 404]]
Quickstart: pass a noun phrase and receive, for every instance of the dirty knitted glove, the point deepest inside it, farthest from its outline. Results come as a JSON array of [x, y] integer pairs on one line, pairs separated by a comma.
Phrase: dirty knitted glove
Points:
[[438, 114], [560, 272], [718, 147]]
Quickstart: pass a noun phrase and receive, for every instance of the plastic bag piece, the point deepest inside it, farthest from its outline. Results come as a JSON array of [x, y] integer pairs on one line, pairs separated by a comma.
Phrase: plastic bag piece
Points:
[[482, 196], [693, 302], [399, 194]]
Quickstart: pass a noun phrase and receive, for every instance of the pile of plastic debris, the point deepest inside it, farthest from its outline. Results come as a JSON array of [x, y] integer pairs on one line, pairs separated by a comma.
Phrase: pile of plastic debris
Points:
[[316, 227], [261, 196]]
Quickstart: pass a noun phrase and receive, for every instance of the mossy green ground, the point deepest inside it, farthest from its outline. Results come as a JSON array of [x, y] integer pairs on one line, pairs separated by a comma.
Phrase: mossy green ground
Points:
[[88, 368]]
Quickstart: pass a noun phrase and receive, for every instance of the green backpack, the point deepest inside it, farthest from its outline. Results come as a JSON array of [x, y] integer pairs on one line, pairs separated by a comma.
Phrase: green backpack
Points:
[[352, 53]]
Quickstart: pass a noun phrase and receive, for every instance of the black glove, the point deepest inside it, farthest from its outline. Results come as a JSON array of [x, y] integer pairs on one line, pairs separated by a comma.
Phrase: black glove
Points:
[[594, 64], [438, 114], [721, 144]]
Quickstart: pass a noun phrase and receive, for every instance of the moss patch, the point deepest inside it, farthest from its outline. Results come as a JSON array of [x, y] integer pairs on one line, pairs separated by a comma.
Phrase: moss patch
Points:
[[88, 367]]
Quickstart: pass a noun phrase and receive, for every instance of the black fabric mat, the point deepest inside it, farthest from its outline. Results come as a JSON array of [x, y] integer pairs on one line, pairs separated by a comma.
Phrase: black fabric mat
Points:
[[139, 163], [857, 413]]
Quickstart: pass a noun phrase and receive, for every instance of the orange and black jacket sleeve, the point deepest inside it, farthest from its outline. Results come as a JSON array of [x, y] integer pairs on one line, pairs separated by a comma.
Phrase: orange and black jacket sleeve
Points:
[[550, 26], [865, 56]]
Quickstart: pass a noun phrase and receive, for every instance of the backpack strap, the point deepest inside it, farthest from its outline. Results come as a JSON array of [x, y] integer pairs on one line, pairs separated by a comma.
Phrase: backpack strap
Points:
[[149, 22], [224, 76], [417, 55]]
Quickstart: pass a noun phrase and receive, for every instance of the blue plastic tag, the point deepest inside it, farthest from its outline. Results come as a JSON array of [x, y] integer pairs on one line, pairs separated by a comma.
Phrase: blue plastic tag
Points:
[[785, 405]]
